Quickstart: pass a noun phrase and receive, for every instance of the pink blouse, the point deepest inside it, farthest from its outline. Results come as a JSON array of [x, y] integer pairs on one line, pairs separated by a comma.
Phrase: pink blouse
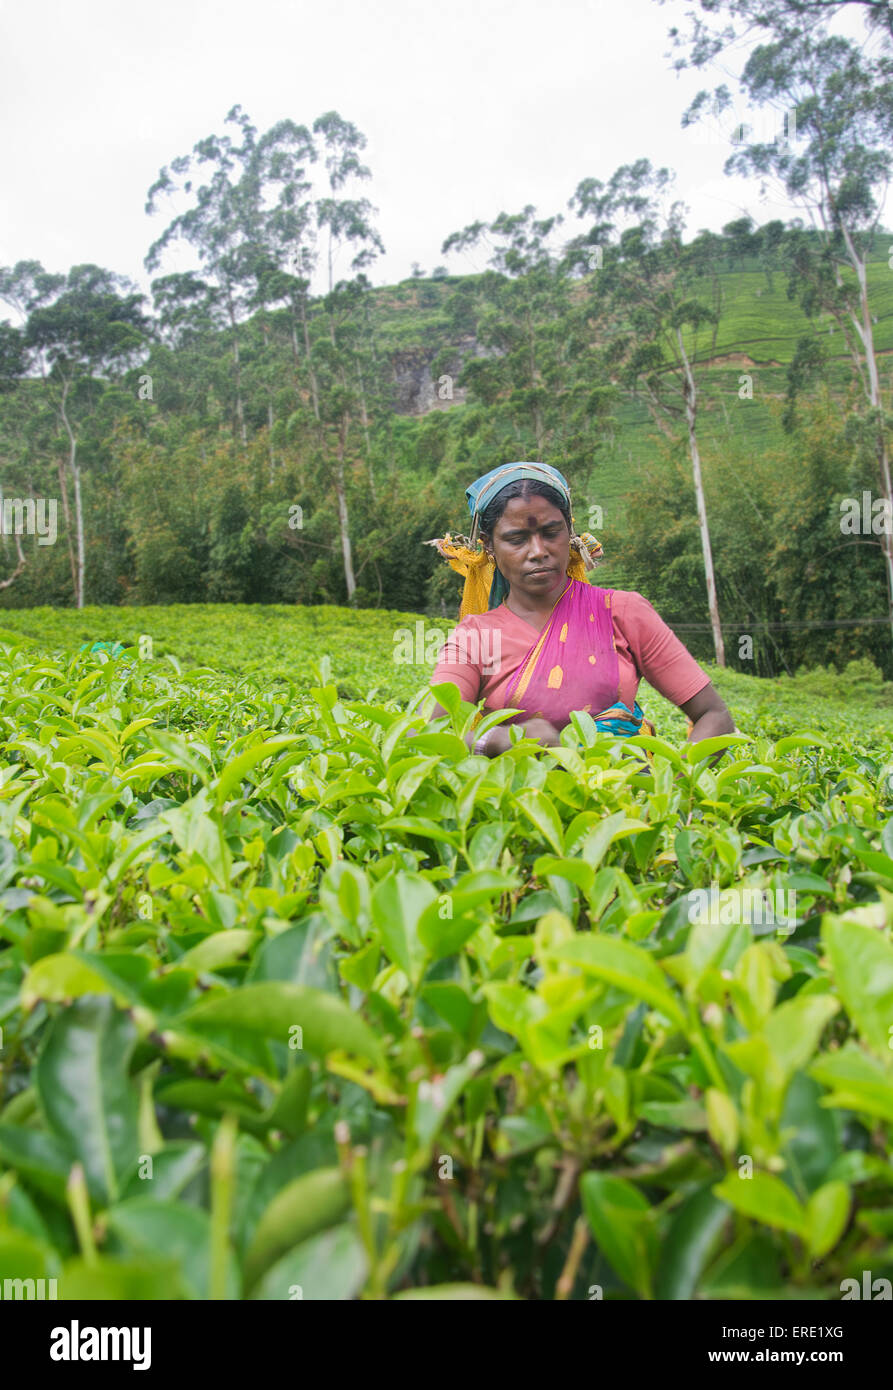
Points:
[[484, 650]]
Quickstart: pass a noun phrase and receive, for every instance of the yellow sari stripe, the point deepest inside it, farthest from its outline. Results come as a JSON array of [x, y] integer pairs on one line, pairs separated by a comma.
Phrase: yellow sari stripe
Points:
[[530, 664]]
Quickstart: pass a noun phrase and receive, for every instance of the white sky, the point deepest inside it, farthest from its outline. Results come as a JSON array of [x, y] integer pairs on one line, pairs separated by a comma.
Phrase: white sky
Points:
[[470, 108]]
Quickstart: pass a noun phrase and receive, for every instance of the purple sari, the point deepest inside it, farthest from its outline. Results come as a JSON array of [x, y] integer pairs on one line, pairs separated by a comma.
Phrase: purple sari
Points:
[[573, 663]]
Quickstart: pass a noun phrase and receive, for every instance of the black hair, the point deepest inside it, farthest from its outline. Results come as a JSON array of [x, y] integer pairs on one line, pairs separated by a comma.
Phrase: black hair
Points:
[[524, 487]]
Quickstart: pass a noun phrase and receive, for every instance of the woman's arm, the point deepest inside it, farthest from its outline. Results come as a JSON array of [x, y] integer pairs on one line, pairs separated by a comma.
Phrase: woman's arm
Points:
[[668, 665], [708, 713]]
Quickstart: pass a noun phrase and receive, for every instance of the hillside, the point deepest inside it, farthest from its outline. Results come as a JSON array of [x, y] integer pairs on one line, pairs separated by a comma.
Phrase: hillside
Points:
[[757, 334], [304, 454]]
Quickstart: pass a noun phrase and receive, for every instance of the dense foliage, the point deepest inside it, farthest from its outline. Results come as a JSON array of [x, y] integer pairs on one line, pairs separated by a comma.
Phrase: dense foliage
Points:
[[298, 999], [267, 432]]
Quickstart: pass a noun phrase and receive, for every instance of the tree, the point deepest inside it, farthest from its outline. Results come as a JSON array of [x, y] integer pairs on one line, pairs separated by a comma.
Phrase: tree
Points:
[[716, 27], [331, 338], [340, 353], [81, 332], [342, 359], [524, 300], [837, 170], [230, 223], [347, 220], [13, 365], [646, 301]]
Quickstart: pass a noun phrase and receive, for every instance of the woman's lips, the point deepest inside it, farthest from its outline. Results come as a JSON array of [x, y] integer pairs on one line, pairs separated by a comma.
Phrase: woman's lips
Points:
[[533, 573]]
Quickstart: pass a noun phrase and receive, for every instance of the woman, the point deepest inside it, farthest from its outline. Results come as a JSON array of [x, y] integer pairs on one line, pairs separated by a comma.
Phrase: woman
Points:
[[534, 637]]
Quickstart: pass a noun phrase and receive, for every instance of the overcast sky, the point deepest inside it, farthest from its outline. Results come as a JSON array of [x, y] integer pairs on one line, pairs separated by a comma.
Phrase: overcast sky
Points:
[[470, 108]]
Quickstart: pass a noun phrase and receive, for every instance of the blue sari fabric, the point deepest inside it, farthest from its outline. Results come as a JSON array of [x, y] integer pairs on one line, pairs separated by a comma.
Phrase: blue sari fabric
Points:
[[622, 720]]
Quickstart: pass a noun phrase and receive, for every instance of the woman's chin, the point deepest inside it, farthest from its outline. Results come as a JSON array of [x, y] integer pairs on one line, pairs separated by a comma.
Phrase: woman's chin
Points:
[[536, 585]]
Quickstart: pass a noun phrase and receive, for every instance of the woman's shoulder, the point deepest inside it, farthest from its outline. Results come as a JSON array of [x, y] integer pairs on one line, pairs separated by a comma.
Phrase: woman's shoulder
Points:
[[630, 603], [480, 622], [619, 600], [635, 618]]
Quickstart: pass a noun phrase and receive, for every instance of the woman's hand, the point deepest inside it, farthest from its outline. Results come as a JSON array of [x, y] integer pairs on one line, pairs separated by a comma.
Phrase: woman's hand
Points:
[[544, 731], [499, 740], [710, 717]]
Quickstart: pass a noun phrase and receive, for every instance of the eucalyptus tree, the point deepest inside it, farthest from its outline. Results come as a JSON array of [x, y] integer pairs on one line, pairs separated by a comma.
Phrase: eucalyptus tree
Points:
[[14, 432], [716, 27], [344, 364], [257, 225], [521, 314], [283, 267], [29, 427], [231, 221], [336, 329], [81, 333], [834, 165], [330, 336], [346, 220], [647, 304]]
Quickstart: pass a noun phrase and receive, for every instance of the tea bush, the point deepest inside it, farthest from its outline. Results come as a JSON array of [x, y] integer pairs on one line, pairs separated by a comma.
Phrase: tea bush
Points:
[[299, 999], [859, 680]]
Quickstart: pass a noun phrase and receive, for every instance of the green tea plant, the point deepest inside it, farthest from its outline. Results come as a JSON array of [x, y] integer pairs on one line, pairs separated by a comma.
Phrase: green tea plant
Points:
[[299, 999]]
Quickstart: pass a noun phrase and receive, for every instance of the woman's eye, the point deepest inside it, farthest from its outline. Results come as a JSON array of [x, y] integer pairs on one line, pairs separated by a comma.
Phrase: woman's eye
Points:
[[522, 540]]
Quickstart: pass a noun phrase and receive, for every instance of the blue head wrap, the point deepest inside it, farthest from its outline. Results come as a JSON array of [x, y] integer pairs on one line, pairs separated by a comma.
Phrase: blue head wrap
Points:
[[481, 492]]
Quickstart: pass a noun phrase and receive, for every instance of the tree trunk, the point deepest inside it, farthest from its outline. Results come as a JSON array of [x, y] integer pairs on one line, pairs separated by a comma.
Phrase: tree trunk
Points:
[[691, 408], [296, 356], [4, 584], [365, 419], [79, 516], [78, 507], [66, 512], [883, 459], [266, 328], [314, 389], [240, 410], [866, 337], [346, 552], [537, 413]]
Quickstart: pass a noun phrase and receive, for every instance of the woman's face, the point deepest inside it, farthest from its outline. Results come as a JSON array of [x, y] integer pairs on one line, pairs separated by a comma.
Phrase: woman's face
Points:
[[531, 546]]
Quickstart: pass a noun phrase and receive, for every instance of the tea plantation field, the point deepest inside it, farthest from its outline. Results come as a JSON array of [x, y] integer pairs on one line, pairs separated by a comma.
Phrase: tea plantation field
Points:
[[298, 999]]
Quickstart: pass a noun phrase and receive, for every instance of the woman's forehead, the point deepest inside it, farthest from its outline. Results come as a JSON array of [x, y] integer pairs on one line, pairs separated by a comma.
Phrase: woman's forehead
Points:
[[530, 511]]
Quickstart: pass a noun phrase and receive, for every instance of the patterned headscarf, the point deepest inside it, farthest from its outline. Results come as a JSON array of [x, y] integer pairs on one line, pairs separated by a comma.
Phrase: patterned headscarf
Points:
[[485, 584]]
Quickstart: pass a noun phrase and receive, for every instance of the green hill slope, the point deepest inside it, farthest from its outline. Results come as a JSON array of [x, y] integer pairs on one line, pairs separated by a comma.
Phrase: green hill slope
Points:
[[757, 335]]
